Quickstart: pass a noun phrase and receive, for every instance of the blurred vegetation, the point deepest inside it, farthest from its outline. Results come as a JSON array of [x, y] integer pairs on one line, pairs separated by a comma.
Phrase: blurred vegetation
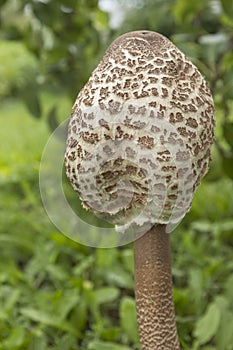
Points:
[[57, 294]]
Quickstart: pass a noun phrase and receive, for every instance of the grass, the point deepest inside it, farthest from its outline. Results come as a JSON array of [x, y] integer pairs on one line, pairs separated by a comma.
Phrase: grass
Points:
[[57, 294]]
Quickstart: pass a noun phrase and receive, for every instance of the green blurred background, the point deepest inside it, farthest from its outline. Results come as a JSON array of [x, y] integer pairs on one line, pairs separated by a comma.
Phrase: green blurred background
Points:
[[57, 294]]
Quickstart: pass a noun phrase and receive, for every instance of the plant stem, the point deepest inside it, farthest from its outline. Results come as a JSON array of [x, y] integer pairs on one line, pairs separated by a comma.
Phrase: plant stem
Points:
[[153, 289]]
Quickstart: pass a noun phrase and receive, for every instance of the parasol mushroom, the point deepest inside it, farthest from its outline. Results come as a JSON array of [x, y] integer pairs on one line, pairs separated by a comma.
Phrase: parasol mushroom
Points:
[[138, 145]]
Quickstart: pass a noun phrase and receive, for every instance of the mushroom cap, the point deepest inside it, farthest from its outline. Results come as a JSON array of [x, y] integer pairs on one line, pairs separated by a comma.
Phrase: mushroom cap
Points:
[[140, 133]]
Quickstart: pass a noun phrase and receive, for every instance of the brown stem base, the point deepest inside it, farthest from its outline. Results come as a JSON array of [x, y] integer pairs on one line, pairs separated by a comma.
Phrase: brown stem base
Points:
[[153, 290]]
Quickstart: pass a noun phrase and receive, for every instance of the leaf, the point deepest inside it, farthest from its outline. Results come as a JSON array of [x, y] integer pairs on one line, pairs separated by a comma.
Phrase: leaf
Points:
[[18, 66], [67, 342], [65, 302], [32, 101], [79, 316], [228, 133], [38, 343], [129, 319], [57, 304], [227, 163], [228, 7], [110, 334], [106, 257], [13, 297], [39, 316], [128, 259], [101, 345], [57, 272], [106, 294], [16, 338], [196, 282], [202, 226], [213, 46], [227, 85], [84, 265], [229, 285], [90, 299], [185, 11], [48, 319], [207, 325], [120, 277], [100, 19], [52, 118], [224, 335]]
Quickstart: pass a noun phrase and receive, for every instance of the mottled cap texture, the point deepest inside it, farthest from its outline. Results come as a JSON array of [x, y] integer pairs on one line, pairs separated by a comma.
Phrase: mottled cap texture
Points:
[[140, 133]]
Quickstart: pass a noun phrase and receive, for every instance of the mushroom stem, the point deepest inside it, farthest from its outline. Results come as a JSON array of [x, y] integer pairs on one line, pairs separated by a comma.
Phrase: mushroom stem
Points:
[[153, 291]]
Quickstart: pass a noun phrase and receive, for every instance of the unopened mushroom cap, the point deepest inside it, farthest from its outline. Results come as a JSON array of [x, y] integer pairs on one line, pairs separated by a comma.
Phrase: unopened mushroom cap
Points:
[[140, 133]]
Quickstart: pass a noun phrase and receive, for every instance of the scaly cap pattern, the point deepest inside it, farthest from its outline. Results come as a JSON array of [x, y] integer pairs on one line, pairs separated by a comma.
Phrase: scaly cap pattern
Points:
[[140, 133]]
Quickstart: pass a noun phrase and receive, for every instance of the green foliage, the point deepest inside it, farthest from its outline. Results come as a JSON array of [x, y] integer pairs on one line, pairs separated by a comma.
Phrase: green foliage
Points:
[[61, 40], [100, 345], [128, 318], [17, 67], [207, 326], [228, 7], [59, 295], [216, 324]]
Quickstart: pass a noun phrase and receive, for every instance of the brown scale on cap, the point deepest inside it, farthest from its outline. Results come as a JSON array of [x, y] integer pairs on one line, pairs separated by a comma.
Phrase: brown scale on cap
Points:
[[138, 145]]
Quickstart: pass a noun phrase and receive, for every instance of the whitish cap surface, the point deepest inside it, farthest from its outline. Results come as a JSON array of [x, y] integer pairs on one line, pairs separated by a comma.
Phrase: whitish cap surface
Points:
[[140, 133]]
